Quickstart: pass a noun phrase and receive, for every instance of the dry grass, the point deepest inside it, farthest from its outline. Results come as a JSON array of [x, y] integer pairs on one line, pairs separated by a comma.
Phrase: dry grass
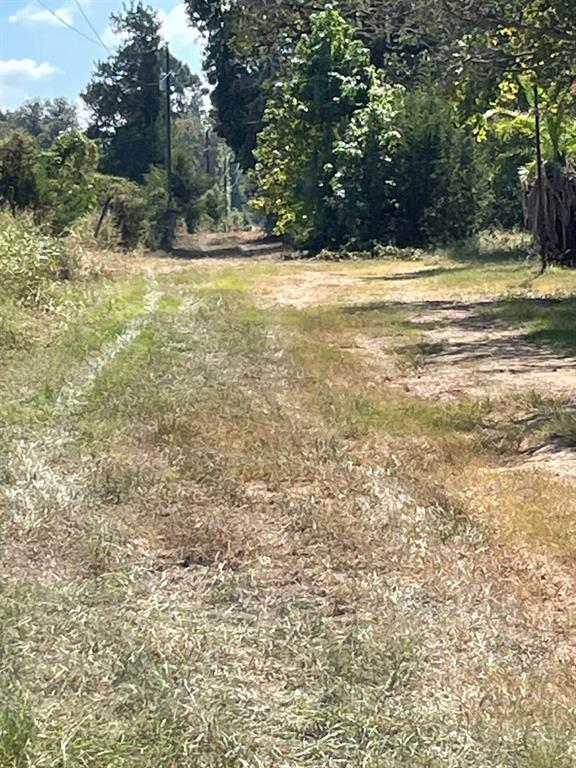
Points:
[[260, 560]]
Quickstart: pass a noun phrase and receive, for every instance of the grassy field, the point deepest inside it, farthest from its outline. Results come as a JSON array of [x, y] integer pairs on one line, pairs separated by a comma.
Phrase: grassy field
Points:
[[238, 530]]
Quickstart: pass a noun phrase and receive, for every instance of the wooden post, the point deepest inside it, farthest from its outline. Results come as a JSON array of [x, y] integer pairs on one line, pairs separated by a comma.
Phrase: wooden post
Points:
[[102, 215]]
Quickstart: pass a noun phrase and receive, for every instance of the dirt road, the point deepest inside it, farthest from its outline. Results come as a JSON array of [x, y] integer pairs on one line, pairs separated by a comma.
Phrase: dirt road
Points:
[[267, 513]]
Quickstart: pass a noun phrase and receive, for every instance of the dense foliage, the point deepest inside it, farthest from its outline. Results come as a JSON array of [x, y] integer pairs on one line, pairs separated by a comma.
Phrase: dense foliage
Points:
[[251, 44], [309, 115], [31, 261], [57, 183], [398, 121], [468, 45], [49, 167], [346, 158], [45, 119]]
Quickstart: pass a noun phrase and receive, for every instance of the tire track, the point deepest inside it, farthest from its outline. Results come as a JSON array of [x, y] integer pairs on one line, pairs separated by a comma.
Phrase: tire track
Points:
[[37, 487]]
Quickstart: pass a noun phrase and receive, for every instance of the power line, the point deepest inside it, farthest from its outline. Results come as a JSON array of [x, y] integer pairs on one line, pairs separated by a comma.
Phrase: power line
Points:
[[66, 24], [87, 20], [98, 42]]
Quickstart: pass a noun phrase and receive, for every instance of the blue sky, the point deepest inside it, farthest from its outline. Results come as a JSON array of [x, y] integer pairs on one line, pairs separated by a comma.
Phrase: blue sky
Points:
[[41, 57]]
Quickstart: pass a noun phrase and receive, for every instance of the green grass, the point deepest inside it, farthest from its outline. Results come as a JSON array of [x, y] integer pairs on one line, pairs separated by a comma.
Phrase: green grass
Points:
[[546, 320], [240, 578], [34, 373]]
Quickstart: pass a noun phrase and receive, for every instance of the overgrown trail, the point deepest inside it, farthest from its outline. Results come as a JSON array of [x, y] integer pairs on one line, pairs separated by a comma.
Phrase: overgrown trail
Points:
[[258, 513]]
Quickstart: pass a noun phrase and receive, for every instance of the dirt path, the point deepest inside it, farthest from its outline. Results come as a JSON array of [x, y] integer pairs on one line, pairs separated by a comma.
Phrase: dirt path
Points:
[[221, 569], [463, 350], [471, 354]]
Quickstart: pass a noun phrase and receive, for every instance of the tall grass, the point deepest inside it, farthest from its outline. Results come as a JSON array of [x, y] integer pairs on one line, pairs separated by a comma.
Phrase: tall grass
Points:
[[31, 261]]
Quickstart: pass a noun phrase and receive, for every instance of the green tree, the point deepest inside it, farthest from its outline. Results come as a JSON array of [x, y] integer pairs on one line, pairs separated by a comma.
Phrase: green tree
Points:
[[65, 179], [441, 180], [125, 99], [18, 155], [43, 118], [309, 114], [491, 41], [364, 185], [347, 160], [127, 106], [251, 45]]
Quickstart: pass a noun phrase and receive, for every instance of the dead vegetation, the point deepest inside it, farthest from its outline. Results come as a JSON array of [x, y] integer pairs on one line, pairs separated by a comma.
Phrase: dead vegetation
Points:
[[264, 551]]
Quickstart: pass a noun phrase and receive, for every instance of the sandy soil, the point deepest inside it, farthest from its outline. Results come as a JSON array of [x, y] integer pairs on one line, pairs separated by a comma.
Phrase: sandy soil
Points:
[[465, 351]]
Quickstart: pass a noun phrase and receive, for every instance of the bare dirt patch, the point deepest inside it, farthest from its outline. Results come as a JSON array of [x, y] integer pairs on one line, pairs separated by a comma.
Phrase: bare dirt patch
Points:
[[303, 288], [477, 357], [467, 354]]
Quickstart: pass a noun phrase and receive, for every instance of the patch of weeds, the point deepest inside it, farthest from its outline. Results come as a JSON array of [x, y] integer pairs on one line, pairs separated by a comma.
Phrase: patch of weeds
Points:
[[31, 261], [547, 321], [121, 377], [496, 247], [534, 752], [226, 590], [38, 374], [17, 736], [399, 414], [229, 281]]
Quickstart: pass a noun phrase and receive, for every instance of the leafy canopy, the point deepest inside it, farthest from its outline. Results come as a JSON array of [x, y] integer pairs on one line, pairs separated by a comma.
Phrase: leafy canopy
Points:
[[124, 97], [346, 159]]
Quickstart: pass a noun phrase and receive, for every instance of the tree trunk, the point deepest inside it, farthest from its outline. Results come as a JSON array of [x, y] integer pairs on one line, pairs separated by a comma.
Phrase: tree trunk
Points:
[[553, 219]]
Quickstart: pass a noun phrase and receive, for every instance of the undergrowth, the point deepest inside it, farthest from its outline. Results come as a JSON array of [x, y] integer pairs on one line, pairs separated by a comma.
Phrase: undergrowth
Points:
[[31, 261]]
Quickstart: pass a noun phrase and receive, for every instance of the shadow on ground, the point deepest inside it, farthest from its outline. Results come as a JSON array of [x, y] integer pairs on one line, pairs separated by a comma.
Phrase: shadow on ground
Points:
[[420, 273], [229, 246], [483, 346]]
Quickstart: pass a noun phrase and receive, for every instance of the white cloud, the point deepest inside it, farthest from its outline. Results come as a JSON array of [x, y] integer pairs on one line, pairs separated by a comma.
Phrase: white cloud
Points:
[[19, 68], [33, 14], [14, 76], [176, 27]]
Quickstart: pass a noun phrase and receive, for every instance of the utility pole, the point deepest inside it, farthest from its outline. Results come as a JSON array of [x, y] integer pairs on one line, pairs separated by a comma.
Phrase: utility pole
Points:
[[168, 129], [207, 151], [226, 192], [540, 189]]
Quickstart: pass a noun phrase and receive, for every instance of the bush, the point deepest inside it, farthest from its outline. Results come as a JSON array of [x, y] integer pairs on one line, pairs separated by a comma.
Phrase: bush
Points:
[[57, 183], [140, 211], [65, 180], [18, 154], [441, 186], [31, 261], [127, 207]]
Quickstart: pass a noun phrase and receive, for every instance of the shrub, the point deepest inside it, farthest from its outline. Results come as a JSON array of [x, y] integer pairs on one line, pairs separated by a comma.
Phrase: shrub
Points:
[[65, 179], [31, 261], [127, 207], [18, 154], [441, 184]]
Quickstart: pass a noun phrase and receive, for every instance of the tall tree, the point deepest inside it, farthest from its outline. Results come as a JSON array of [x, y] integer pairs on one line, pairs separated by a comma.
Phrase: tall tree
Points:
[[308, 115], [124, 96], [251, 45], [125, 100], [45, 119]]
